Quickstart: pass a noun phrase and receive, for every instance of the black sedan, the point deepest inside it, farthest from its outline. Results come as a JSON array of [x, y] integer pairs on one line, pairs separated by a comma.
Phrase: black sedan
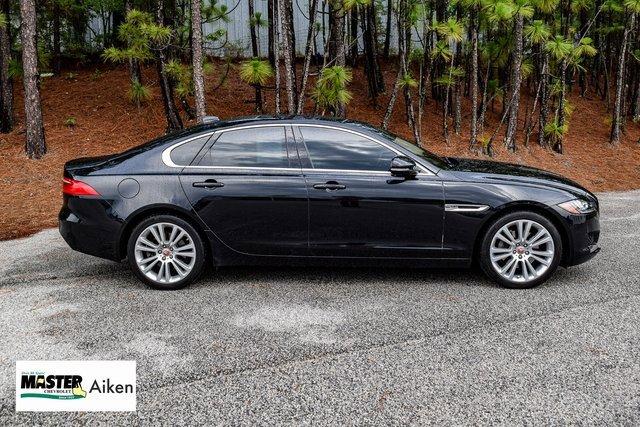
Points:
[[265, 190]]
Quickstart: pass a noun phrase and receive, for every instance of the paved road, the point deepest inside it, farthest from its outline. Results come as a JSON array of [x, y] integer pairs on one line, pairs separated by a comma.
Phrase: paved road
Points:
[[345, 346]]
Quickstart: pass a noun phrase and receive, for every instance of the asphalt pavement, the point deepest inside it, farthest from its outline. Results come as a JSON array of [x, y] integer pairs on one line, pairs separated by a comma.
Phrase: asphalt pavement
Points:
[[337, 346]]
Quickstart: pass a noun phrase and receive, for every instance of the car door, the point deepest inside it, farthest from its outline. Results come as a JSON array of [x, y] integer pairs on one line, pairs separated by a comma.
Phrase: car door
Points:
[[357, 208], [247, 186]]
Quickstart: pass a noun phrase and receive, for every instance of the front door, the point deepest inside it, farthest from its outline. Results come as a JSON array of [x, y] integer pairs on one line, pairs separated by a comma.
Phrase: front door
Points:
[[249, 190], [357, 209]]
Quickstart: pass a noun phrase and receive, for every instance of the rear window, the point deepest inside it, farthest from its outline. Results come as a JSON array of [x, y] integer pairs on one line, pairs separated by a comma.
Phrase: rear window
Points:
[[184, 154]]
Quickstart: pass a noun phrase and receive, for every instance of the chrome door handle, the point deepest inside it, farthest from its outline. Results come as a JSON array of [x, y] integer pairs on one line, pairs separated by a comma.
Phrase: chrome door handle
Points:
[[210, 183], [331, 186]]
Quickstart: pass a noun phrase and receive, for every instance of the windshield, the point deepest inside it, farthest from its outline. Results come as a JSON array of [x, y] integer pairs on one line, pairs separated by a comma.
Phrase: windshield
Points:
[[435, 160]]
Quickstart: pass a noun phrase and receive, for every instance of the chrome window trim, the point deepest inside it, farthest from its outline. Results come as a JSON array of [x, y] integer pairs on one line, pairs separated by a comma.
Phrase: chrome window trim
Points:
[[166, 154]]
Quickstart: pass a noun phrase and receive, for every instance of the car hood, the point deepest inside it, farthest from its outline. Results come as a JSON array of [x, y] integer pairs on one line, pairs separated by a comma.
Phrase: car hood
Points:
[[490, 171]]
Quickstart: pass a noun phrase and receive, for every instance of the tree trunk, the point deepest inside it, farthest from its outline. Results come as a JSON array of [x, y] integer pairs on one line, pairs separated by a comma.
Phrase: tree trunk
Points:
[[558, 142], [307, 55], [196, 48], [6, 84], [56, 38], [289, 64], [387, 36], [174, 122], [392, 100], [35, 146], [272, 23], [473, 140], [636, 105], [516, 80], [372, 68], [401, 67], [544, 100], [337, 52], [618, 111], [252, 30], [135, 74], [353, 38], [275, 11]]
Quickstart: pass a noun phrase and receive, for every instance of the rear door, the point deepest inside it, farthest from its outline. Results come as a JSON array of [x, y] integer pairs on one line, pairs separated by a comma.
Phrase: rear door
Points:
[[248, 187], [356, 208]]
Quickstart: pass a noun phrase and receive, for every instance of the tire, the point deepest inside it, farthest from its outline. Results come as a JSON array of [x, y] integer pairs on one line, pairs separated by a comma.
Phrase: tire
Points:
[[169, 265], [520, 263]]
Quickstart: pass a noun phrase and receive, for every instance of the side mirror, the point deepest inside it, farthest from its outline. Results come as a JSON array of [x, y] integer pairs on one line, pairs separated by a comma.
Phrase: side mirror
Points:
[[403, 166]]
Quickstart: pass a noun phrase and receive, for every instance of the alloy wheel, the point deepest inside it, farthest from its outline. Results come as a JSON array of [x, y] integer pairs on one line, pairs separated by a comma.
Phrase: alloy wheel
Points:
[[522, 250], [165, 253]]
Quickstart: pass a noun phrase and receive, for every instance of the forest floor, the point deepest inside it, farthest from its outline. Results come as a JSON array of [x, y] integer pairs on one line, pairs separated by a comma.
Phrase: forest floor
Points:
[[106, 122]]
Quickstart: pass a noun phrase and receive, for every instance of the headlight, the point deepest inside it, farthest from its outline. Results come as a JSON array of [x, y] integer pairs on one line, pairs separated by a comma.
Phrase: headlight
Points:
[[578, 206]]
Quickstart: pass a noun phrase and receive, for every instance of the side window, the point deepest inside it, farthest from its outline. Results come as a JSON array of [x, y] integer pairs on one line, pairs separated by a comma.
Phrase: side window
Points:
[[334, 149], [184, 154], [255, 147]]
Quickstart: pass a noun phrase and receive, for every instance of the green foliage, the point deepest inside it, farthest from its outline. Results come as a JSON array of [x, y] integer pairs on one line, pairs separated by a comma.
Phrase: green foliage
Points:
[[526, 68], [70, 122], [546, 6], [331, 88], [408, 81], [578, 6], [215, 12], [218, 35], [523, 8], [258, 21], [632, 5], [350, 4], [256, 71], [416, 55], [450, 77], [96, 75], [559, 47], [499, 11], [537, 32], [451, 30], [182, 76], [441, 50], [139, 93], [15, 68], [3, 20], [140, 35], [554, 131]]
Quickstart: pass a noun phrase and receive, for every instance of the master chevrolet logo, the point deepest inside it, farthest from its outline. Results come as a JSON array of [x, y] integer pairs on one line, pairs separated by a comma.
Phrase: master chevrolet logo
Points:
[[75, 385], [53, 386]]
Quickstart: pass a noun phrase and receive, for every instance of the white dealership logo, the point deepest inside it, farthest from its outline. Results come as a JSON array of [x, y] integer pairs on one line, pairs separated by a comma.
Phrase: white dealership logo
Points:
[[89, 385]]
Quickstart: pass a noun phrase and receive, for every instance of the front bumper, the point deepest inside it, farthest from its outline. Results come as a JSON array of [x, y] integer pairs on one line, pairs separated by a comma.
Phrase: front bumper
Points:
[[583, 233]]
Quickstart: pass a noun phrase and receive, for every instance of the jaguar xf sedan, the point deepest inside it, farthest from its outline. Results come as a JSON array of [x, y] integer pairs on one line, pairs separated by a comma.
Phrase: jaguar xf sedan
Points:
[[294, 190]]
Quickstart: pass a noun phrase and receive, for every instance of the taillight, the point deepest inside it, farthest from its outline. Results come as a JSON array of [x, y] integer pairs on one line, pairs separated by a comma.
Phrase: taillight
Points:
[[73, 187]]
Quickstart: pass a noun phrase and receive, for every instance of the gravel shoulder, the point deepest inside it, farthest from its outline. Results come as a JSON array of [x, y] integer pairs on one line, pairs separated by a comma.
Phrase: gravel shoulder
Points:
[[285, 345]]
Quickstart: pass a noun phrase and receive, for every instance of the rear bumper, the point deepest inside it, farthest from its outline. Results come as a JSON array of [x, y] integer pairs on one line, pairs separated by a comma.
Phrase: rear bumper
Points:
[[87, 227]]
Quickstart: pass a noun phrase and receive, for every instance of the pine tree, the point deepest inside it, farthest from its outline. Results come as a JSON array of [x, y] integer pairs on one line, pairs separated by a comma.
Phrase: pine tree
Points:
[[35, 145]]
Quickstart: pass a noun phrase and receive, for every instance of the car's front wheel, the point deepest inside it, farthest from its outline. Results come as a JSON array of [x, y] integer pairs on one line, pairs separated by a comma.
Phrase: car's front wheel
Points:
[[521, 250], [166, 252]]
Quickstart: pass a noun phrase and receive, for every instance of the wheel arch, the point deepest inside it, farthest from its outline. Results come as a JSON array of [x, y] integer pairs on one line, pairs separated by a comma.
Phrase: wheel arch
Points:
[[158, 209], [528, 206]]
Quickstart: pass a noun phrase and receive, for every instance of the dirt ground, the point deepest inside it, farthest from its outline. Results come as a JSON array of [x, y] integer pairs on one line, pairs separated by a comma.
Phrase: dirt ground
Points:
[[106, 122]]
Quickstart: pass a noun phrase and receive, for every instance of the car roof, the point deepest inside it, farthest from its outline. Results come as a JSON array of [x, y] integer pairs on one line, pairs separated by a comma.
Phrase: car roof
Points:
[[284, 119]]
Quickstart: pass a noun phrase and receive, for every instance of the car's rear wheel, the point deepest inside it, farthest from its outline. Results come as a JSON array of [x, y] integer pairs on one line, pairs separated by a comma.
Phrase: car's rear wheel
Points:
[[521, 250], [166, 252]]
